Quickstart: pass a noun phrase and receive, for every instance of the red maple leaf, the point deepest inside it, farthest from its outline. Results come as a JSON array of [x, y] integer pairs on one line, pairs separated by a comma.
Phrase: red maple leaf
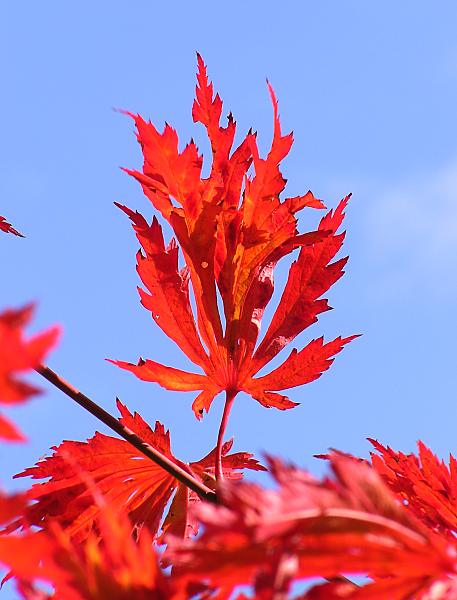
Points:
[[423, 482], [348, 524], [21, 553], [230, 247], [11, 506], [108, 566], [19, 355], [128, 480], [8, 228]]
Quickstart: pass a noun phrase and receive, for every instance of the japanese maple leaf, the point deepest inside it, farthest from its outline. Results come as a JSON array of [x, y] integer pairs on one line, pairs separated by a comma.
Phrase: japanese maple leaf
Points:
[[108, 566], [20, 553], [232, 229], [18, 355], [423, 482], [11, 506], [27, 550], [8, 228], [348, 524], [129, 481]]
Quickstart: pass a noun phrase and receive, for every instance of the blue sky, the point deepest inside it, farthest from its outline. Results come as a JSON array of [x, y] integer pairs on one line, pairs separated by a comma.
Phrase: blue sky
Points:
[[370, 90]]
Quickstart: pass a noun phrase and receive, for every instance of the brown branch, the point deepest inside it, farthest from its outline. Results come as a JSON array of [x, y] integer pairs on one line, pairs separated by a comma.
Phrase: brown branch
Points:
[[174, 469]]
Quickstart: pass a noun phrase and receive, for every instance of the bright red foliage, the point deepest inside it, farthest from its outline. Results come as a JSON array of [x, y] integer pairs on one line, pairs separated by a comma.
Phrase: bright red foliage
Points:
[[230, 247], [110, 566], [106, 507], [8, 228], [130, 482], [350, 524], [18, 355], [426, 484]]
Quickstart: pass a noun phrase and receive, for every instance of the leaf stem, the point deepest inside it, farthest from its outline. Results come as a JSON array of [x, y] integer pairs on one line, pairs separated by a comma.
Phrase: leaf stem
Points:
[[174, 469], [229, 398]]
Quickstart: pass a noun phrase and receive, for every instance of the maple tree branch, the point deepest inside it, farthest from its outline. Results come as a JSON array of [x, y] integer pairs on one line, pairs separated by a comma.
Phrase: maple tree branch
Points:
[[174, 469], [229, 398]]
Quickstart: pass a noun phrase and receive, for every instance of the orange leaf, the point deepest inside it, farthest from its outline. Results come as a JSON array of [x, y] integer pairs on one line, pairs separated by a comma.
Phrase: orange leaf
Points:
[[128, 480], [426, 484], [232, 228]]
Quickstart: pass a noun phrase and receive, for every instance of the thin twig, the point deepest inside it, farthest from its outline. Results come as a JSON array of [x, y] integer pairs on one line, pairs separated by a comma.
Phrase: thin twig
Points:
[[174, 469]]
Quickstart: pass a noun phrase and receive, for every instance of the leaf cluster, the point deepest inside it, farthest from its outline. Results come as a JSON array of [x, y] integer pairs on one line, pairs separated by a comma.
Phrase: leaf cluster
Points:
[[106, 518]]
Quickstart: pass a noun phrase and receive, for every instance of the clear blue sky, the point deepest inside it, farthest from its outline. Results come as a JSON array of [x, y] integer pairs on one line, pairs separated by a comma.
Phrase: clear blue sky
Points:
[[370, 90]]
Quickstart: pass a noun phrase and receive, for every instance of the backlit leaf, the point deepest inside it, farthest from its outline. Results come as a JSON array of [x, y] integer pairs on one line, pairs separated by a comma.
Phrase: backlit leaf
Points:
[[232, 228], [127, 479], [349, 524], [425, 483]]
